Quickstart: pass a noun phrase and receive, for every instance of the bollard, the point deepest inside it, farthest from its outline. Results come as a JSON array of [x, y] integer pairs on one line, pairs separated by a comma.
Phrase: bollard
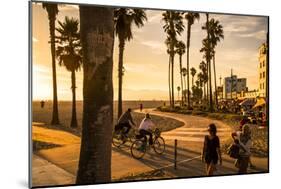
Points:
[[175, 155]]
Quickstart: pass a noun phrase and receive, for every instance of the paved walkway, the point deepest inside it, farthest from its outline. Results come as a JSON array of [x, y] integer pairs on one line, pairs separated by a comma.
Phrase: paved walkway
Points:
[[194, 128], [189, 136], [45, 173]]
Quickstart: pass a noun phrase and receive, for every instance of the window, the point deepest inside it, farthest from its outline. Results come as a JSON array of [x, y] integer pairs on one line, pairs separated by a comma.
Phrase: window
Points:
[[263, 74], [260, 75], [260, 86], [263, 63]]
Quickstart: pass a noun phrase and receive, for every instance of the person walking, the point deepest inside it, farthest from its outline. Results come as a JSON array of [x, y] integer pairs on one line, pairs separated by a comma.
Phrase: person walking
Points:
[[211, 150], [243, 140], [141, 107]]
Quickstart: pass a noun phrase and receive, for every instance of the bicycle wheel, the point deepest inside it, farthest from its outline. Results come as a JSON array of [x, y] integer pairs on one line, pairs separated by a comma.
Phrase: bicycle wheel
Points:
[[118, 139], [138, 149], [159, 145]]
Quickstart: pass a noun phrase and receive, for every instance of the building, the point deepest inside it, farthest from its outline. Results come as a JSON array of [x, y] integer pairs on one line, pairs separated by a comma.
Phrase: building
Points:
[[262, 70], [251, 94], [234, 87]]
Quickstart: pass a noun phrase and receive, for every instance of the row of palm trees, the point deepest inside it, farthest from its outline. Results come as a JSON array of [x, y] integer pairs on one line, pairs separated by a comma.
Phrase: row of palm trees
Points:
[[69, 51], [96, 36], [174, 27]]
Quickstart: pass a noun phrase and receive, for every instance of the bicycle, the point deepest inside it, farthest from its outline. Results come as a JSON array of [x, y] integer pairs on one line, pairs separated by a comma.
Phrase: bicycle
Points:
[[139, 146], [119, 137]]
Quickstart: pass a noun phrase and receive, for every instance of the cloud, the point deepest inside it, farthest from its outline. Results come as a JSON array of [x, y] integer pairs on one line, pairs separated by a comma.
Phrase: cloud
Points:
[[157, 46]]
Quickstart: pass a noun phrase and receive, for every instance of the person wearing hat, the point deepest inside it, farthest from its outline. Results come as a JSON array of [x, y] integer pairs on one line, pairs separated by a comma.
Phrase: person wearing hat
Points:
[[211, 150], [243, 139]]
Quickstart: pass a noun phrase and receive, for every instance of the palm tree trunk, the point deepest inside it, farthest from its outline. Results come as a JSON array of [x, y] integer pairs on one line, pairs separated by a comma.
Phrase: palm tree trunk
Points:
[[185, 89], [169, 80], [192, 81], [207, 83], [97, 43], [215, 79], [181, 80], [172, 81], [204, 91], [73, 123], [209, 62], [187, 63], [120, 75], [55, 116]]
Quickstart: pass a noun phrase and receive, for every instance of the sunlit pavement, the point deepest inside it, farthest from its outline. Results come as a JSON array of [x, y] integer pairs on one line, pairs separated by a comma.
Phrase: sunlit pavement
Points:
[[189, 145]]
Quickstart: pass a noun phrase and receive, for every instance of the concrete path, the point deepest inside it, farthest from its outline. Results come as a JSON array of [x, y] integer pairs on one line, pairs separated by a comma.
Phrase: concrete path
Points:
[[44, 173], [66, 158], [190, 140], [194, 128]]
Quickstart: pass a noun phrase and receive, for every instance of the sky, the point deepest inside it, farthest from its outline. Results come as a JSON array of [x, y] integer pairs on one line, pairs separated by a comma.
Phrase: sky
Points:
[[145, 57]]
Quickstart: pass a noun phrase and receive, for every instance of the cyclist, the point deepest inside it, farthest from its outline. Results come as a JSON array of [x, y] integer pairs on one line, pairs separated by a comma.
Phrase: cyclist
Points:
[[145, 128], [125, 121]]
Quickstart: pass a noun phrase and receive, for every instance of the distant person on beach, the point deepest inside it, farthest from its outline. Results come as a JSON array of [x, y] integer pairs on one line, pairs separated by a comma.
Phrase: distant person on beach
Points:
[[141, 107], [243, 139], [211, 150], [146, 127], [42, 103], [125, 121]]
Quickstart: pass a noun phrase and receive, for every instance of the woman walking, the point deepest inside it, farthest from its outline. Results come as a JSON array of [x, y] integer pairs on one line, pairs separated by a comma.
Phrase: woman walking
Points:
[[243, 140], [211, 150]]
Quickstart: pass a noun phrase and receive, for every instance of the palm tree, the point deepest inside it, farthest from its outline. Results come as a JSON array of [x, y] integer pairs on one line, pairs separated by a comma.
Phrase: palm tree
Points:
[[192, 72], [173, 27], [69, 55], [190, 17], [184, 73], [208, 55], [204, 71], [216, 34], [124, 18], [178, 88], [52, 10], [180, 50], [97, 39]]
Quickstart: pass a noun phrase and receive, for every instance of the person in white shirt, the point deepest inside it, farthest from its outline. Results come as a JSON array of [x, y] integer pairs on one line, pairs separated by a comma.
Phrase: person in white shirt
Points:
[[243, 139], [146, 127]]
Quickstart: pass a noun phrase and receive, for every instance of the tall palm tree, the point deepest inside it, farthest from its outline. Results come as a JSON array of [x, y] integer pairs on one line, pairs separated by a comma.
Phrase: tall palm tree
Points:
[[173, 27], [184, 73], [192, 72], [69, 55], [207, 49], [204, 71], [178, 88], [167, 42], [180, 50], [52, 10], [190, 17], [216, 34], [124, 18], [97, 39]]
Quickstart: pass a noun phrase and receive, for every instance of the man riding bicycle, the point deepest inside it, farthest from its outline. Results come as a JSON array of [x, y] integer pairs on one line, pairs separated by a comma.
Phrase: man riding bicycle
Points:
[[125, 121], [146, 127]]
